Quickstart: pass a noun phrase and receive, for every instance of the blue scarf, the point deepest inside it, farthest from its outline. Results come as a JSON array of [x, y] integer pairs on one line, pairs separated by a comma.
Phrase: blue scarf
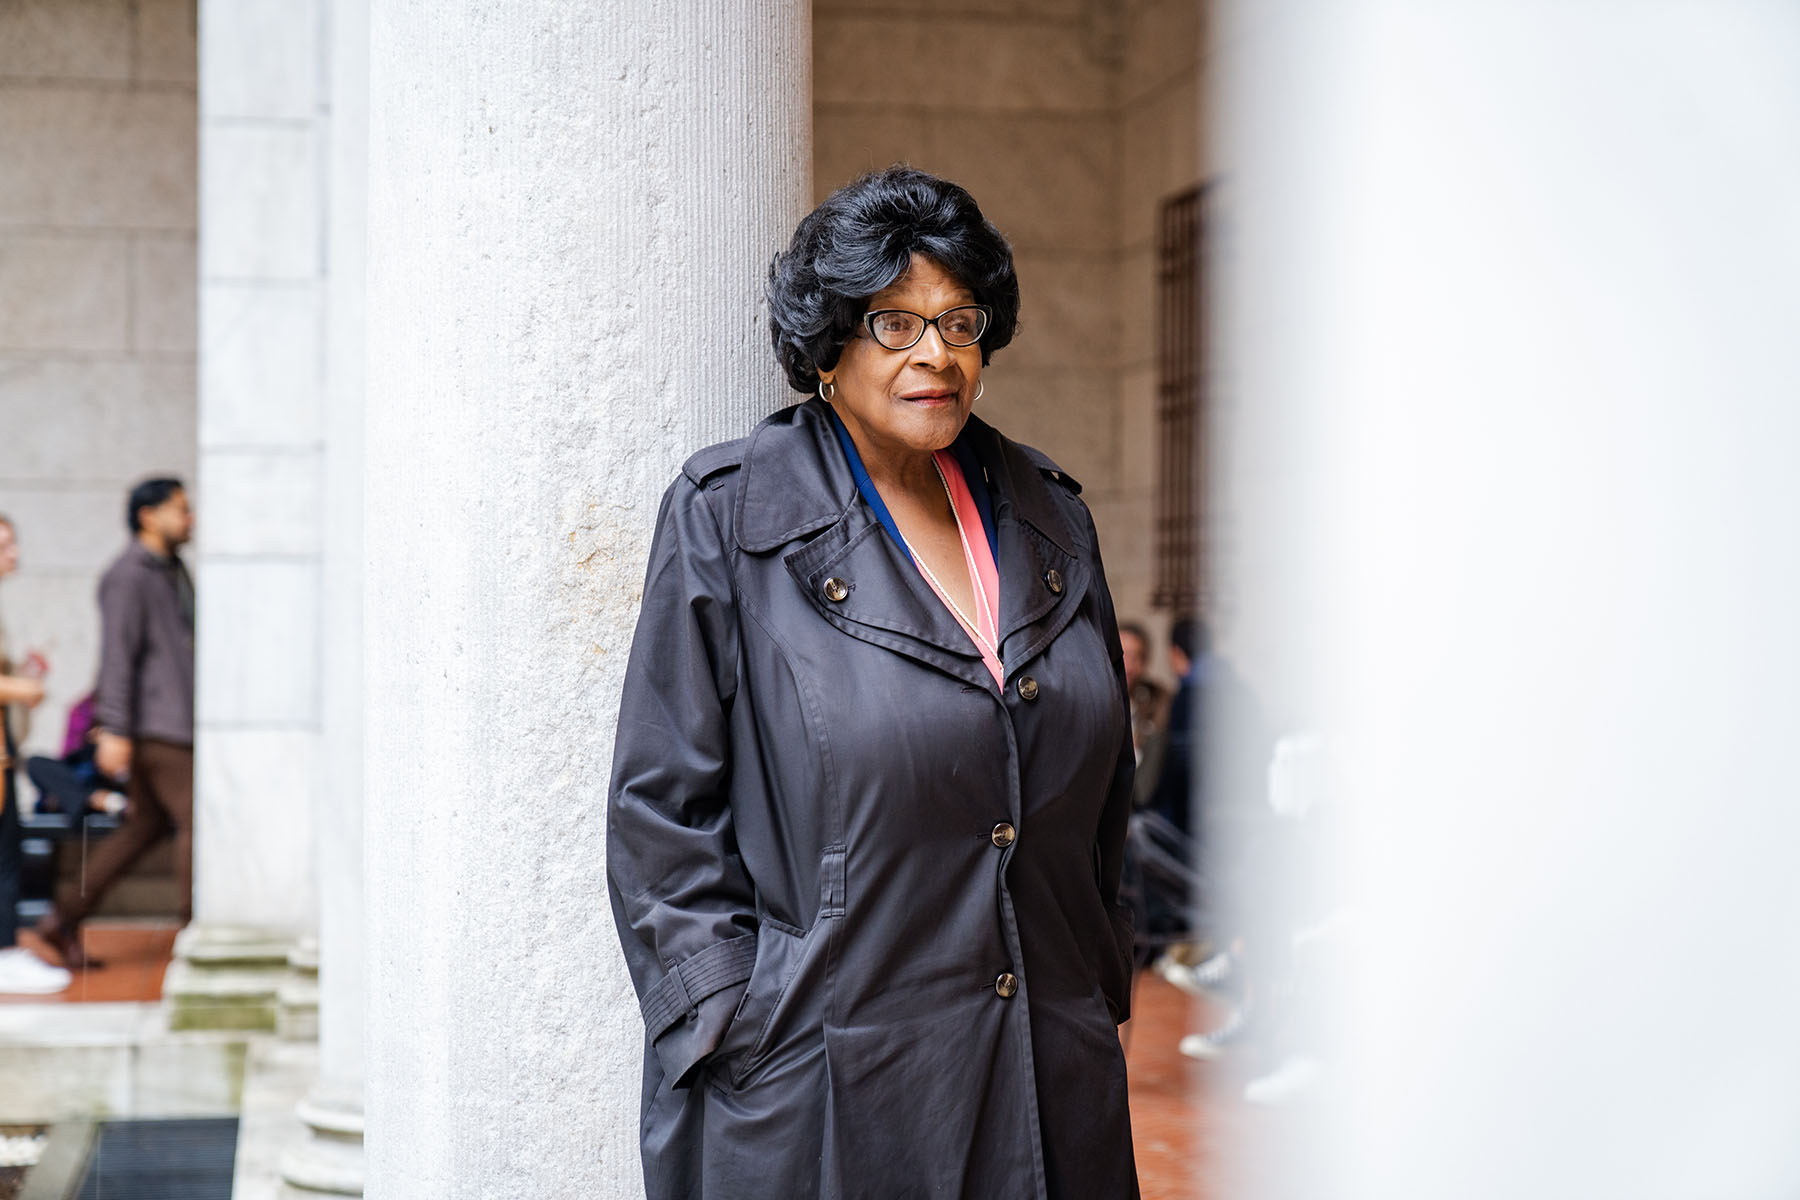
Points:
[[965, 458]]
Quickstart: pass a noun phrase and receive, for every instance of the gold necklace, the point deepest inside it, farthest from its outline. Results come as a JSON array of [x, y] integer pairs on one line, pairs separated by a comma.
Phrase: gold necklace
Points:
[[962, 536]]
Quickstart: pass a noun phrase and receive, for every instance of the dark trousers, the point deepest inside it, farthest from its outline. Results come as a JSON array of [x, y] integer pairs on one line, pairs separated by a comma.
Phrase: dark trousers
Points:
[[162, 805], [10, 864]]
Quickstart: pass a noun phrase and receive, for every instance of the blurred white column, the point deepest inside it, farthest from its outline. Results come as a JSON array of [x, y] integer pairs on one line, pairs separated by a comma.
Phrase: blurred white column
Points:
[[1510, 304], [572, 210], [331, 1157], [260, 501], [259, 496]]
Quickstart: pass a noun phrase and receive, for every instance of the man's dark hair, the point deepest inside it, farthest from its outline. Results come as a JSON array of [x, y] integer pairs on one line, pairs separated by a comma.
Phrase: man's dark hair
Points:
[[1189, 635], [860, 241], [148, 494]]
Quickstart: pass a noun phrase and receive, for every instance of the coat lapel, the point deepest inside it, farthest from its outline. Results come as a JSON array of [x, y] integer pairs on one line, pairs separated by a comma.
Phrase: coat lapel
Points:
[[1042, 582], [797, 483]]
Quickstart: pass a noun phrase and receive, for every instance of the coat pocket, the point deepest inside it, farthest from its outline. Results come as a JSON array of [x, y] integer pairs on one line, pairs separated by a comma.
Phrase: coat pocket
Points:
[[779, 953]]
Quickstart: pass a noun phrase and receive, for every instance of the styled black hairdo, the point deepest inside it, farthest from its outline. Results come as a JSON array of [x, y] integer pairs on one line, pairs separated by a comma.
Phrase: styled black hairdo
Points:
[[148, 494], [861, 240]]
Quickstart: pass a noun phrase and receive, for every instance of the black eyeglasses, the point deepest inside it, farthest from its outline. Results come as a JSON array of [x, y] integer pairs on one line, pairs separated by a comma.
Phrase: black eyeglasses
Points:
[[898, 329]]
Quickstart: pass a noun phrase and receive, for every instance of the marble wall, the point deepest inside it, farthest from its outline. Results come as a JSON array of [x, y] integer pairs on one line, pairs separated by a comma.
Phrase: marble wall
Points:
[[1070, 121], [97, 302]]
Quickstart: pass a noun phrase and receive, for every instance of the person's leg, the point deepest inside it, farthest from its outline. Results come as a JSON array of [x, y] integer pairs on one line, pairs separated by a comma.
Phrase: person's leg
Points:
[[171, 772], [21, 971], [10, 861], [145, 822]]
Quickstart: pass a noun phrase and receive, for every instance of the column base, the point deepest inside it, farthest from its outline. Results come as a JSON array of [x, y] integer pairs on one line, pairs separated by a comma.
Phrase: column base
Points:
[[225, 977], [331, 1158], [297, 999]]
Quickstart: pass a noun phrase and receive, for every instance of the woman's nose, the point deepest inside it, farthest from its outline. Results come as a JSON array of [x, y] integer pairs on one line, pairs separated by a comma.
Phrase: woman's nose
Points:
[[930, 350]]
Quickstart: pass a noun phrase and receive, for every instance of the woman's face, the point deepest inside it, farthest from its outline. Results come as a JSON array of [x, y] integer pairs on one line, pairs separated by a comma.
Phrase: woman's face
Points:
[[9, 550], [900, 404]]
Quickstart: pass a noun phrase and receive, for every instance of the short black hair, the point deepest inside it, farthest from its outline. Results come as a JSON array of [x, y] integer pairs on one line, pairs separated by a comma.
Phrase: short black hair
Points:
[[1190, 636], [148, 494], [860, 241]]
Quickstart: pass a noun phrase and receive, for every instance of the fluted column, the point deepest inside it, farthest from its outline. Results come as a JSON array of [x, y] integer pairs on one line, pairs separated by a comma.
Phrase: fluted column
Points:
[[572, 208], [330, 1155]]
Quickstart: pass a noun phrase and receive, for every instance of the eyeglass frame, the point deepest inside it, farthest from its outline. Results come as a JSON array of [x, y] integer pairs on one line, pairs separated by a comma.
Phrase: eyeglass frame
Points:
[[987, 315]]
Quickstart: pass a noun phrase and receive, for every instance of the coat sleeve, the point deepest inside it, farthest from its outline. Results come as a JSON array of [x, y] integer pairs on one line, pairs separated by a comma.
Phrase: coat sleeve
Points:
[[121, 644], [1115, 815], [682, 902]]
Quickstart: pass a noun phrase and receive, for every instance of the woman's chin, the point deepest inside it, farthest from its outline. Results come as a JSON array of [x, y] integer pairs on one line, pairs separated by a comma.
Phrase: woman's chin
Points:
[[939, 428]]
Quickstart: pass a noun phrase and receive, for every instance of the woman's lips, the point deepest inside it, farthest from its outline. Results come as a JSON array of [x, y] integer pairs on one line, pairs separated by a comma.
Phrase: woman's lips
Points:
[[939, 396]]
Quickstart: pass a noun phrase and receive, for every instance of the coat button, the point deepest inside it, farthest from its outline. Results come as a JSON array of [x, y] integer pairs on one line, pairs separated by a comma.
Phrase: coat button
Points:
[[1003, 835], [836, 589], [1053, 581], [1007, 986], [1028, 688]]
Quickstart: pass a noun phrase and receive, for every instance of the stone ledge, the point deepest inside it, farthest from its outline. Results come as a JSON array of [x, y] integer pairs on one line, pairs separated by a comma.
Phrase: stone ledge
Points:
[[303, 956], [232, 946], [297, 1008], [221, 998], [92, 1061]]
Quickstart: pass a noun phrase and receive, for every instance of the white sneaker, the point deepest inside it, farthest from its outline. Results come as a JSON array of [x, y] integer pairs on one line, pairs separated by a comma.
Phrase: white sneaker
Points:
[[1292, 1077], [1215, 971], [25, 974], [1177, 973], [1205, 1046]]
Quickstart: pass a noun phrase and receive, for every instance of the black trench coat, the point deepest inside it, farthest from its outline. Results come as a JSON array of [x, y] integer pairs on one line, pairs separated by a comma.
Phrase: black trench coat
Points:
[[870, 900]]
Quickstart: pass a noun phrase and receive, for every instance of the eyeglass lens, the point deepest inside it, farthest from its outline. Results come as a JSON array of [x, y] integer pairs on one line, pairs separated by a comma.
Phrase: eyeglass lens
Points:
[[898, 329]]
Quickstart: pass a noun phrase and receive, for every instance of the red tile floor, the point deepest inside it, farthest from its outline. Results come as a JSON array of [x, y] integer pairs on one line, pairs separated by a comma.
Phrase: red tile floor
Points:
[[133, 957], [1166, 1089]]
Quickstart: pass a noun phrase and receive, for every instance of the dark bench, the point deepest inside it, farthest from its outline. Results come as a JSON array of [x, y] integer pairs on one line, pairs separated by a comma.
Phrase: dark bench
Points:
[[41, 839]]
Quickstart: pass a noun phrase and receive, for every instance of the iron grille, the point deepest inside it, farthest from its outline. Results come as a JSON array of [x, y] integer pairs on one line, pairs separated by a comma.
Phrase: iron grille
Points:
[[1181, 409]]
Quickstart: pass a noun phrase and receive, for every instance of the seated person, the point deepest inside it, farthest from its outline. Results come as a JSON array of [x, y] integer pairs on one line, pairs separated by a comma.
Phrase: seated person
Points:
[[74, 784]]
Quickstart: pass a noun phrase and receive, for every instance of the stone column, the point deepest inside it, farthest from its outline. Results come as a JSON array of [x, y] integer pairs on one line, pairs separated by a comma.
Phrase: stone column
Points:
[[331, 1158], [571, 212], [259, 529], [1511, 296]]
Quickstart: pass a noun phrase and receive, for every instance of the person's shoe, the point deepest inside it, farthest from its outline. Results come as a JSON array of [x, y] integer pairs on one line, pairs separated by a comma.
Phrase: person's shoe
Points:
[[1292, 1077], [1216, 971], [1176, 972], [1210, 976], [66, 941], [1207, 1046], [23, 973]]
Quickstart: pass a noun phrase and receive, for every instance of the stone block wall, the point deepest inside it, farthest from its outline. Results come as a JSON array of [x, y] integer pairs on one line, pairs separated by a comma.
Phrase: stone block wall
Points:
[[97, 301], [1070, 121], [1161, 149]]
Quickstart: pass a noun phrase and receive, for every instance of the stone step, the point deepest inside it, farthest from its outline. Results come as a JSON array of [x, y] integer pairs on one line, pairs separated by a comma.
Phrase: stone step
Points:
[[66, 1061]]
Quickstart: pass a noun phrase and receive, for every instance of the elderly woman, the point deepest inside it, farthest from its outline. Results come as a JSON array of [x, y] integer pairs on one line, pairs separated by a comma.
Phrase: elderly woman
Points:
[[873, 766]]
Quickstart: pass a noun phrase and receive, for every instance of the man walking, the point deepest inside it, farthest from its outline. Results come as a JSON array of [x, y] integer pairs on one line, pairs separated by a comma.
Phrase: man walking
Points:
[[143, 706]]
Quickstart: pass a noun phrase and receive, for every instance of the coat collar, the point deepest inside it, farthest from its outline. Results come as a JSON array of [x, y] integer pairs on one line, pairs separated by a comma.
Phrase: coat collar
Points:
[[796, 481]]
